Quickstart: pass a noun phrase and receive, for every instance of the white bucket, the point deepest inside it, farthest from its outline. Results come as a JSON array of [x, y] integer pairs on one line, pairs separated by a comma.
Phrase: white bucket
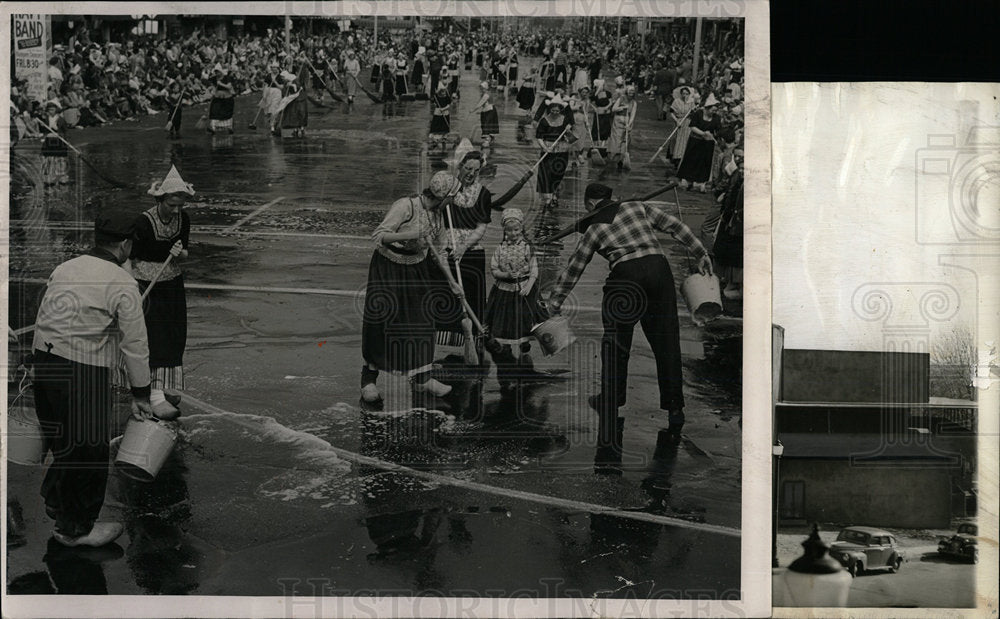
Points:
[[553, 335], [144, 448], [704, 300], [25, 443]]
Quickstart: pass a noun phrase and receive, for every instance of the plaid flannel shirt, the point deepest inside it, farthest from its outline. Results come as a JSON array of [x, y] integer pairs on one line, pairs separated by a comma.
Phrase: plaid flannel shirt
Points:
[[629, 236]]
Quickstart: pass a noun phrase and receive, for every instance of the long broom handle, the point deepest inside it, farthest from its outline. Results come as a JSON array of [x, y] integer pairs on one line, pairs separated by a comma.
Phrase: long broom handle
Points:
[[458, 259], [443, 265], [570, 228], [61, 138], [81, 156], [664, 145], [156, 277], [177, 106], [546, 153], [320, 78]]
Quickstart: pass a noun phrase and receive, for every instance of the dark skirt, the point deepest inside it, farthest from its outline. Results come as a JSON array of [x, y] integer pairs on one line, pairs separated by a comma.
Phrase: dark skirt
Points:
[[397, 332], [401, 85], [601, 130], [166, 322], [376, 74], [696, 166], [388, 89], [728, 248], [453, 85], [510, 316], [490, 122], [526, 98], [439, 124], [513, 74], [177, 117], [54, 147], [448, 315], [551, 172], [296, 113], [550, 82], [221, 109]]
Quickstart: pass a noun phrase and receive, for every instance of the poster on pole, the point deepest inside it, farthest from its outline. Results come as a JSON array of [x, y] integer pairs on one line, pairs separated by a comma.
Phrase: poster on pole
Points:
[[32, 45]]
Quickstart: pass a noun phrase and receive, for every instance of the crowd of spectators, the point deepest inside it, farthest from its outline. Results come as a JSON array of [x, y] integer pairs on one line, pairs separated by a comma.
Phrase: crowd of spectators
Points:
[[93, 83]]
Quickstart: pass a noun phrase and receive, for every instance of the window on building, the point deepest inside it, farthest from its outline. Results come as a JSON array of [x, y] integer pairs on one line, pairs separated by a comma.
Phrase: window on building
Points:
[[147, 26], [793, 500]]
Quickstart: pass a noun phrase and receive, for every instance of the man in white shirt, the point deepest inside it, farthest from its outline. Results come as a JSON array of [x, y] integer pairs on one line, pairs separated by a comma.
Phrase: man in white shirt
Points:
[[91, 307]]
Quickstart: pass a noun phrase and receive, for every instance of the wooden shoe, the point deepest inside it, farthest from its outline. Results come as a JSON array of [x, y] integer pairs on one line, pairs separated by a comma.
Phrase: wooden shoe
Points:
[[101, 534], [433, 387]]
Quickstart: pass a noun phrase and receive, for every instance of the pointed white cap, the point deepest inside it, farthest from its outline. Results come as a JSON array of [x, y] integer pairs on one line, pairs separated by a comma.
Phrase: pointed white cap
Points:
[[173, 183]]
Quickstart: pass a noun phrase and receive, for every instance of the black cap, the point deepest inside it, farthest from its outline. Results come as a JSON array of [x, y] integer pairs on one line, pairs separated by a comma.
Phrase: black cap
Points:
[[113, 225], [597, 191]]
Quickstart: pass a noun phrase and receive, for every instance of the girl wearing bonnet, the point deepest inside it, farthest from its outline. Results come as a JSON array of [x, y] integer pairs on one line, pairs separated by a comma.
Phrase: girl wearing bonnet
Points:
[[513, 307], [160, 232]]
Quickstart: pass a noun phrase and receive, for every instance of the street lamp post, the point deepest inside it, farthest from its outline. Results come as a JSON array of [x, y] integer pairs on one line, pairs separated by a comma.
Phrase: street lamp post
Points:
[[697, 49], [776, 451], [817, 580]]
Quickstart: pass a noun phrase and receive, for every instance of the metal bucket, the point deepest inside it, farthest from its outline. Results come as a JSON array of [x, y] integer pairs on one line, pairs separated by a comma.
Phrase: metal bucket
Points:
[[704, 300], [553, 335], [25, 443], [144, 448]]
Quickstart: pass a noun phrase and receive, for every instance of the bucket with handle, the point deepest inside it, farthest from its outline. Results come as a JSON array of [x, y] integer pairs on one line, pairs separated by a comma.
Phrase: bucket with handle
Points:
[[144, 448], [704, 300], [25, 443], [553, 335]]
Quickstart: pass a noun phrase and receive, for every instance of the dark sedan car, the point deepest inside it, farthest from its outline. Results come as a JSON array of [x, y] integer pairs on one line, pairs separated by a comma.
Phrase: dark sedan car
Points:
[[862, 548], [963, 544]]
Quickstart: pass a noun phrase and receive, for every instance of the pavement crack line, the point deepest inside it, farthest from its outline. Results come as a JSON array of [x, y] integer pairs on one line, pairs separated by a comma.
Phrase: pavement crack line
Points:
[[567, 504]]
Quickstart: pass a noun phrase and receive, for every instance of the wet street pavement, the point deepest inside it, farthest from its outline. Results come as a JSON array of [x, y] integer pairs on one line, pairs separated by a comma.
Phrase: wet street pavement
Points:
[[281, 484]]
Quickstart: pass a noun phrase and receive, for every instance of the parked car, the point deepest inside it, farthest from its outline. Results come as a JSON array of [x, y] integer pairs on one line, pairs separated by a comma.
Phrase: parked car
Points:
[[864, 548], [962, 544]]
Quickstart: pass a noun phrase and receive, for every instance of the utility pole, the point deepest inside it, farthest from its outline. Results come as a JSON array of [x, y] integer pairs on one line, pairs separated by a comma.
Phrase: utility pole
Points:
[[375, 46], [697, 49], [619, 31], [288, 42]]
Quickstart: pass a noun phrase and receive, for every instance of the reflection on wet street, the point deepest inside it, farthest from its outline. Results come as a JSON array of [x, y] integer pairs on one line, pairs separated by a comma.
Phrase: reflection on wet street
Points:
[[262, 495]]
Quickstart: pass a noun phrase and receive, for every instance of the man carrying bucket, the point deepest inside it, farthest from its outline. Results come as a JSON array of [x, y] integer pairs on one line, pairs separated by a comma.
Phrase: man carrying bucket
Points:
[[88, 302], [639, 289]]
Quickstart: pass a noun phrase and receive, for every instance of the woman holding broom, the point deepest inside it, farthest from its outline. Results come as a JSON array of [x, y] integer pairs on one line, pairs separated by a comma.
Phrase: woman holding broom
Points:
[[554, 150], [220, 110], [161, 240], [623, 112], [489, 121], [440, 116], [466, 219], [397, 334], [174, 100]]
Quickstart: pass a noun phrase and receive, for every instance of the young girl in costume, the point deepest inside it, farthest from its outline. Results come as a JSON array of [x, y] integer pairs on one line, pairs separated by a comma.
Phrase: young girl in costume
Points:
[[513, 307]]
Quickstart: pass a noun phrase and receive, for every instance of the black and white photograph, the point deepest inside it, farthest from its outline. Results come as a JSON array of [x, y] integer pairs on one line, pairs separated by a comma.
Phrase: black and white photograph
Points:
[[885, 254], [330, 309]]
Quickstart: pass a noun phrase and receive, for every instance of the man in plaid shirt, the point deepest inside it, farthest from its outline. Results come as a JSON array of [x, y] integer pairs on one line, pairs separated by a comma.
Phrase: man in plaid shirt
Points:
[[640, 288]]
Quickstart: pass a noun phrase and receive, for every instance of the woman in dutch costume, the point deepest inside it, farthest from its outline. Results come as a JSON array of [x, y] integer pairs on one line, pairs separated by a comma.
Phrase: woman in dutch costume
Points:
[[163, 232], [513, 307], [397, 333], [440, 117], [220, 110], [554, 149], [489, 120]]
